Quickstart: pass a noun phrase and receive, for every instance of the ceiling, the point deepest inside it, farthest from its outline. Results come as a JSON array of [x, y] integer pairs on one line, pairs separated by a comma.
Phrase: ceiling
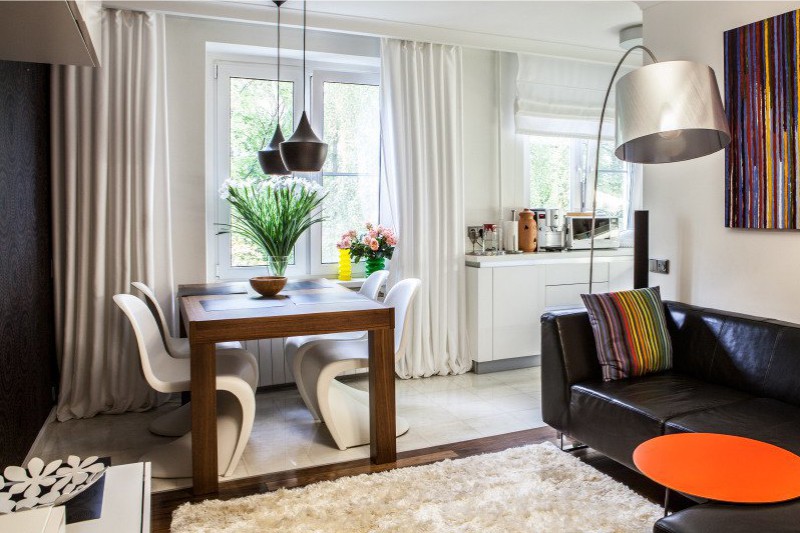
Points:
[[587, 29], [593, 24]]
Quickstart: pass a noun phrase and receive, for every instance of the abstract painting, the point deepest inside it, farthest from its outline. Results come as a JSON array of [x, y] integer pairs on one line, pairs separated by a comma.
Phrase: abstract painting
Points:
[[761, 99]]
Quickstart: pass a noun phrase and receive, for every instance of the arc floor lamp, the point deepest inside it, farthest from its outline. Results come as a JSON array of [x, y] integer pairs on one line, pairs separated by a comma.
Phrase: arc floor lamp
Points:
[[665, 112]]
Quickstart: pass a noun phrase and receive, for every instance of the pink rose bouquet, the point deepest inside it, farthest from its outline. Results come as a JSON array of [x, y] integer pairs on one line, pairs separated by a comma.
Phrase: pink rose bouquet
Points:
[[375, 242]]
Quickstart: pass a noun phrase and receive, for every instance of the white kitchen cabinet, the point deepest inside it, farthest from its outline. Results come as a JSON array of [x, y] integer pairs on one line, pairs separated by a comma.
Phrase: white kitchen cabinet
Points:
[[507, 295], [517, 302]]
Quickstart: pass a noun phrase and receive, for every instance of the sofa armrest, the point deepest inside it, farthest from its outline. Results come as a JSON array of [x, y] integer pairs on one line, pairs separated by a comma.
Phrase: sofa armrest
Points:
[[569, 356]]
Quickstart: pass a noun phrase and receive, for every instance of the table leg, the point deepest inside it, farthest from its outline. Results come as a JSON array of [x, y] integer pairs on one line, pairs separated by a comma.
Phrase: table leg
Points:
[[204, 418], [666, 501], [382, 421]]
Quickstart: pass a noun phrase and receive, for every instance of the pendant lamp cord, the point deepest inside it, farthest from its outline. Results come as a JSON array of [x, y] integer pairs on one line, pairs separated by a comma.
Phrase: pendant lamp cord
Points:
[[597, 153], [305, 2], [279, 54]]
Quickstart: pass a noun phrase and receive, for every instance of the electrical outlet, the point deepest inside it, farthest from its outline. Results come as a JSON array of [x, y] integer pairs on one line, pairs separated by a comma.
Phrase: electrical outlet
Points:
[[659, 266]]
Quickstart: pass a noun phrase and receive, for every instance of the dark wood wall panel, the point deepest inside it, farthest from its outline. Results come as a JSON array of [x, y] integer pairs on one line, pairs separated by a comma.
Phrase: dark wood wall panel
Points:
[[27, 347]]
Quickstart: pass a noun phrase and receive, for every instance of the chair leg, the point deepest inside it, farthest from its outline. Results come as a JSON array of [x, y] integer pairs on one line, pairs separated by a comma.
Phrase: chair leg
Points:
[[345, 411], [175, 423], [302, 383], [234, 425]]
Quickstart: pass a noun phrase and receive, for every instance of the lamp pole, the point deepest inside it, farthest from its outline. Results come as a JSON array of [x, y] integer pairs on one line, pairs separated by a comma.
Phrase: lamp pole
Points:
[[597, 152]]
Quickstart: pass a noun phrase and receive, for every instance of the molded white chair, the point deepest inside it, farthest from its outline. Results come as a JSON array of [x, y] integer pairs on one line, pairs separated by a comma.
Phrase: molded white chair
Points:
[[176, 346], [370, 288], [344, 409], [236, 406], [179, 421]]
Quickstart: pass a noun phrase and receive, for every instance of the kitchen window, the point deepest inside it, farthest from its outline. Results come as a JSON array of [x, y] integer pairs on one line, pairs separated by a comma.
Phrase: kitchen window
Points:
[[561, 171], [344, 109]]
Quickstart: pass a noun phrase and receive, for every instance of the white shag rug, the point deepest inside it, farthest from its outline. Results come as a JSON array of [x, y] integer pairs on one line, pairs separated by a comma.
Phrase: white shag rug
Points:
[[536, 488]]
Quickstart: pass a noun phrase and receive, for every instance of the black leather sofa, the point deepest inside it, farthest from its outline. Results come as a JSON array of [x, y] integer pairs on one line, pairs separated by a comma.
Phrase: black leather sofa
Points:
[[732, 374]]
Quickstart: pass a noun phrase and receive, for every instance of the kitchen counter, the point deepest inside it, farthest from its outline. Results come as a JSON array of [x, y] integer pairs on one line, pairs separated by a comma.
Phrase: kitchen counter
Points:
[[541, 258]]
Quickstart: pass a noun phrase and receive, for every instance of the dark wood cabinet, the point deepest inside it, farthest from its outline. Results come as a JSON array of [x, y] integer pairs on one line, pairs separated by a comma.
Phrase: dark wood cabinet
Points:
[[27, 340]]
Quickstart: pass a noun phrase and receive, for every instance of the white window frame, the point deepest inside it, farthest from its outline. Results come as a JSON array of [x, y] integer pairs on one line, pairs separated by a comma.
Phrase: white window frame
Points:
[[318, 81], [308, 250], [220, 244]]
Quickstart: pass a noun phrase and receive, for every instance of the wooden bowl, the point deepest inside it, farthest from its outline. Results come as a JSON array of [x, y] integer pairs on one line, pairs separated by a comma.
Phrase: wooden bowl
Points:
[[268, 285]]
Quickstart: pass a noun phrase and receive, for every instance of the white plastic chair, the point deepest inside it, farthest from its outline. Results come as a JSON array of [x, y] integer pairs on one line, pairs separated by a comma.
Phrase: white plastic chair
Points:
[[177, 347], [370, 288], [344, 409], [237, 377]]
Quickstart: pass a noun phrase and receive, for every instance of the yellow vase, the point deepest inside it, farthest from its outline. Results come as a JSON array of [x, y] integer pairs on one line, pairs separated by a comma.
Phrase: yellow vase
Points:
[[345, 265]]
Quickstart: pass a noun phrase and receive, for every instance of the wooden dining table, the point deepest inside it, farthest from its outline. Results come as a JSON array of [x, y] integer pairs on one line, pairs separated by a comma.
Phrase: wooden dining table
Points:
[[304, 307]]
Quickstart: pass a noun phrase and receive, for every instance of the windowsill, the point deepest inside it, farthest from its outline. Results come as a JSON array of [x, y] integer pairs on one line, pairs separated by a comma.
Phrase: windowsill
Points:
[[354, 283]]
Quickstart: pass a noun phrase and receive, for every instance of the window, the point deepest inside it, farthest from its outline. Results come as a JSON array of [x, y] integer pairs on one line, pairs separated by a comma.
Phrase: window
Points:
[[248, 102], [561, 174], [350, 124]]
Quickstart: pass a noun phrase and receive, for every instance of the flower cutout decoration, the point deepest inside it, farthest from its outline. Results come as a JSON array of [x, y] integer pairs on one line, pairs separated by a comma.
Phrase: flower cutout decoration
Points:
[[29, 482], [6, 503], [76, 472], [24, 488]]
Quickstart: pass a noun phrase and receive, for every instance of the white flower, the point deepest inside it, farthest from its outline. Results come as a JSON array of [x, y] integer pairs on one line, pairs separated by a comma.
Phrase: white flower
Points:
[[31, 481]]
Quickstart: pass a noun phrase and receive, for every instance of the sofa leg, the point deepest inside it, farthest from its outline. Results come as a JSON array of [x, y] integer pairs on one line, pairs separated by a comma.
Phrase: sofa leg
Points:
[[575, 446]]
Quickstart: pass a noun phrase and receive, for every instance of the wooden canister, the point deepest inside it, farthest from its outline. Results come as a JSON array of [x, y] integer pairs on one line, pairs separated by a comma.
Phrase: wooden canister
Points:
[[527, 231]]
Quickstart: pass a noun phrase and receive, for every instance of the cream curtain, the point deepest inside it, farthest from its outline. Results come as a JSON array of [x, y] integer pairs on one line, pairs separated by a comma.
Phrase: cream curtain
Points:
[[421, 107], [110, 211]]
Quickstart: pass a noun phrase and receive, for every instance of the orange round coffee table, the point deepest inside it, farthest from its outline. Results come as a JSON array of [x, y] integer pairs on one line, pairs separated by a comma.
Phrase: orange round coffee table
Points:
[[720, 467]]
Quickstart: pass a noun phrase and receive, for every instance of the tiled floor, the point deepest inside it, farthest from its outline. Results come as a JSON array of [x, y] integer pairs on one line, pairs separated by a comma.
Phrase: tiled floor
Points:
[[440, 410]]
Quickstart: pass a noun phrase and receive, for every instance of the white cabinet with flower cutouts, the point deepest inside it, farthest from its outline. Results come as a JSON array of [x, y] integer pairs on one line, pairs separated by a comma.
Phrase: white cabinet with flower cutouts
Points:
[[506, 296]]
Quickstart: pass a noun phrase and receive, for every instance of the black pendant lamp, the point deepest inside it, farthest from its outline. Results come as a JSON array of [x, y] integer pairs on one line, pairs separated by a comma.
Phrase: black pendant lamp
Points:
[[270, 157], [304, 151]]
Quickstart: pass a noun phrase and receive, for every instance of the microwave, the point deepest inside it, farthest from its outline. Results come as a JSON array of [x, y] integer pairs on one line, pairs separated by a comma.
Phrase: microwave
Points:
[[578, 231]]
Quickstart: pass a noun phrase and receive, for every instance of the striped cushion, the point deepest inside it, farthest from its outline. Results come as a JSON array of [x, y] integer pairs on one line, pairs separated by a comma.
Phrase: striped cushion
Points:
[[630, 331]]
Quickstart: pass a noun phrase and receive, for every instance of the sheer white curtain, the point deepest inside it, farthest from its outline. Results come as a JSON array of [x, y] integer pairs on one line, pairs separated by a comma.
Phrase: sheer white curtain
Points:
[[110, 211], [421, 107]]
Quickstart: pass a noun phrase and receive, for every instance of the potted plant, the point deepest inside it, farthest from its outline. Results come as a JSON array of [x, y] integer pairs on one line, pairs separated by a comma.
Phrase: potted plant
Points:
[[272, 212], [376, 245]]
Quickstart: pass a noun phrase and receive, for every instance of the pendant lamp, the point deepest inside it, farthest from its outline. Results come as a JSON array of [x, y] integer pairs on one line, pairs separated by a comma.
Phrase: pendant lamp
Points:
[[304, 151], [270, 157]]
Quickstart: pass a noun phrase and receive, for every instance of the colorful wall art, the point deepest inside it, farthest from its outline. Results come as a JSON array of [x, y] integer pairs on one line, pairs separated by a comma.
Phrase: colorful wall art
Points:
[[762, 62]]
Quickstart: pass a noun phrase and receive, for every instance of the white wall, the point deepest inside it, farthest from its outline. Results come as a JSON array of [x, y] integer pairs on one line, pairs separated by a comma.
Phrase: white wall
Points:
[[740, 270], [492, 150]]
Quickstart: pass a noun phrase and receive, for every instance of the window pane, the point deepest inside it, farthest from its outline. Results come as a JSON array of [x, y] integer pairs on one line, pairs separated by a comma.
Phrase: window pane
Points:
[[550, 172], [254, 113], [351, 173], [611, 182]]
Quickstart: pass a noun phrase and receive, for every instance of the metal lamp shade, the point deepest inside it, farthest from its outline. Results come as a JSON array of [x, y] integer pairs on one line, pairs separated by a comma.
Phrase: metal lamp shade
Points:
[[669, 111], [270, 157], [304, 151]]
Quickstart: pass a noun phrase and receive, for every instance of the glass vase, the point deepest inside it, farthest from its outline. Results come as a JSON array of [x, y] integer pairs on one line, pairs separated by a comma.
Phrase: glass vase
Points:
[[345, 265], [374, 264], [276, 265]]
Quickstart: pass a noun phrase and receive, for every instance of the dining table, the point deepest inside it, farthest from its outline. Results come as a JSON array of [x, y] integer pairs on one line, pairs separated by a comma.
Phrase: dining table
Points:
[[212, 313]]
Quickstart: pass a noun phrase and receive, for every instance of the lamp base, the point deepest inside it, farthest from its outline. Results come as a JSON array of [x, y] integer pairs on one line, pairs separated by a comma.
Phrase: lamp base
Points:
[[641, 249]]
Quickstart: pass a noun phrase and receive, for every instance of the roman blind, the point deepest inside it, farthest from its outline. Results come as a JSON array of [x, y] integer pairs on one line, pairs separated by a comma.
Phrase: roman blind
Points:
[[563, 97]]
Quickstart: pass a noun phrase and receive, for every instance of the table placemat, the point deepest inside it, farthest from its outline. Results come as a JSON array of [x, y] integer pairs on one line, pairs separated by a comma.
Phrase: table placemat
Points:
[[231, 304], [318, 298], [303, 285]]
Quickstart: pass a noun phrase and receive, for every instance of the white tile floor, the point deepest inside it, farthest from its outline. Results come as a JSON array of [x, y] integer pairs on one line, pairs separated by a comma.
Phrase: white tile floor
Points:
[[440, 410]]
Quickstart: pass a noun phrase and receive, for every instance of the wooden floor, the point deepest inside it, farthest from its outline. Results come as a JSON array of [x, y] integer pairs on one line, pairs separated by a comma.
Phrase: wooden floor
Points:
[[164, 503]]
